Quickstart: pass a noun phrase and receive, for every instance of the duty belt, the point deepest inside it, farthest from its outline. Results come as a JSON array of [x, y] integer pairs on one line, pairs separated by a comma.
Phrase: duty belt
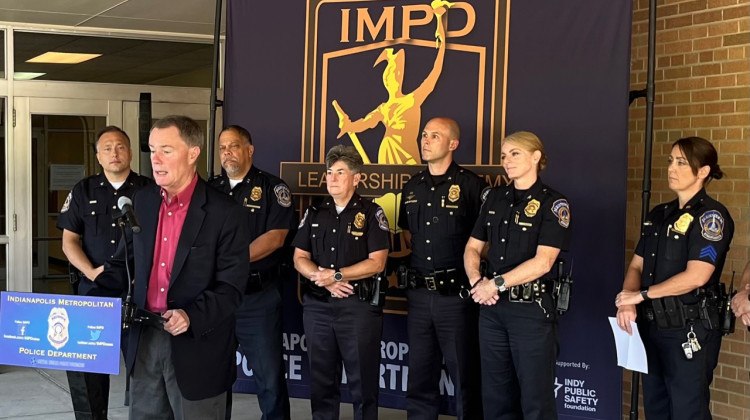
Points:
[[448, 282], [529, 292], [671, 312], [364, 289]]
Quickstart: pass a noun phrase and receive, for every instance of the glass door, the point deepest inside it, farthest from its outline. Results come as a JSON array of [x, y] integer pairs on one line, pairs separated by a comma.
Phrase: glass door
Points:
[[54, 149], [5, 222]]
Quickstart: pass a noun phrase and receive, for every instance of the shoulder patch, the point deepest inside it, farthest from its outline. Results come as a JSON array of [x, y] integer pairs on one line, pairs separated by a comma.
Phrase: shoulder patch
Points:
[[485, 193], [304, 217], [561, 210], [382, 220], [283, 195], [712, 225], [66, 204]]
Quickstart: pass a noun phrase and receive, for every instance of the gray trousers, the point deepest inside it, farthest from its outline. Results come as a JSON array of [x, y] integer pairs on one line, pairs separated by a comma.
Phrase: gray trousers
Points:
[[154, 393]]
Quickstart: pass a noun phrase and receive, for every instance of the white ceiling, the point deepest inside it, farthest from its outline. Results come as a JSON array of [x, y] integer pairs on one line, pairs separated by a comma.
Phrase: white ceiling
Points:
[[177, 16], [127, 57]]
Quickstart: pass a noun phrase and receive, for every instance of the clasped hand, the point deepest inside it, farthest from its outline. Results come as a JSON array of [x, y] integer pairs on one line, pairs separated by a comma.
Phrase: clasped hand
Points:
[[485, 292], [324, 278]]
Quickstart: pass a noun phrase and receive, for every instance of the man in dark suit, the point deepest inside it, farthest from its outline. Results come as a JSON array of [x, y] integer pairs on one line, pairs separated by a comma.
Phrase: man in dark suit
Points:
[[190, 266]]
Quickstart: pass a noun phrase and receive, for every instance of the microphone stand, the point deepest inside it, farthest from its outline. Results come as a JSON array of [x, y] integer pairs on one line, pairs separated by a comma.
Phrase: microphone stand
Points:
[[131, 313]]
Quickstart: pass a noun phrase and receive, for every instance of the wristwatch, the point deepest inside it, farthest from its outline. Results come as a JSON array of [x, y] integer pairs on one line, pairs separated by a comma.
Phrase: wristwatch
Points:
[[500, 283], [337, 276], [644, 294]]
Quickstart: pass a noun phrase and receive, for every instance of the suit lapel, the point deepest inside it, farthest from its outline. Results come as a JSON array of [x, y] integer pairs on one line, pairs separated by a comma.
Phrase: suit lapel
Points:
[[191, 228], [146, 205]]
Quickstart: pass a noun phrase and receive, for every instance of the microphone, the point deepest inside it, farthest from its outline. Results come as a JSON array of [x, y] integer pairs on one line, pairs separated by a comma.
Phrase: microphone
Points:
[[126, 207]]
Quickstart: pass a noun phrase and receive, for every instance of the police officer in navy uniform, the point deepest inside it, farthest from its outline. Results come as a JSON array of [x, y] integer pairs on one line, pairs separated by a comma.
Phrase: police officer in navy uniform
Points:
[[268, 203], [438, 209], [526, 225], [341, 244], [90, 236], [671, 285]]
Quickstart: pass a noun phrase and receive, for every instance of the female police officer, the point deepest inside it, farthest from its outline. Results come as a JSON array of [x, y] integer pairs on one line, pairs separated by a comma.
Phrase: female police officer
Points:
[[341, 243], [674, 272], [526, 225]]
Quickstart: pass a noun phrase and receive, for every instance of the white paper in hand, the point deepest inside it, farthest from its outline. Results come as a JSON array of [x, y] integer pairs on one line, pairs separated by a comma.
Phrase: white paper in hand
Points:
[[631, 354]]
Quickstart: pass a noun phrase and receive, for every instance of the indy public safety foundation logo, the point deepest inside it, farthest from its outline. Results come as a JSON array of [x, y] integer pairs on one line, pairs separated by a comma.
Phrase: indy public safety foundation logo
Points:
[[58, 321]]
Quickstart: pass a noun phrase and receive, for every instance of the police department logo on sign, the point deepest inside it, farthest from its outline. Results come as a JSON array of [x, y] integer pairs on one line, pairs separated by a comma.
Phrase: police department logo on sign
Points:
[[57, 334], [373, 70]]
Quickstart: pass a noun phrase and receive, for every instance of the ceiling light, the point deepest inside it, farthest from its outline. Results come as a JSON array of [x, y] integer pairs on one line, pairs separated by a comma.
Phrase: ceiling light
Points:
[[62, 58], [21, 75]]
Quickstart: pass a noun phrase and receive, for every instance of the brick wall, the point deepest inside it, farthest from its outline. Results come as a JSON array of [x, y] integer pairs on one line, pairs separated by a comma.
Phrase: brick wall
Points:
[[702, 87]]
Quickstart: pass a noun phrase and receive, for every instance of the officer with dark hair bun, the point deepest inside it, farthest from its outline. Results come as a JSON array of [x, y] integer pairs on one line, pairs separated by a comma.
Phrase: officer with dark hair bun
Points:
[[526, 225], [342, 243], [672, 286]]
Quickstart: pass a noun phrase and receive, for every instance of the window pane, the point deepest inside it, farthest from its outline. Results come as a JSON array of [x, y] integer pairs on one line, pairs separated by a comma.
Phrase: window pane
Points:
[[2, 54], [130, 61], [3, 268], [3, 168], [59, 143]]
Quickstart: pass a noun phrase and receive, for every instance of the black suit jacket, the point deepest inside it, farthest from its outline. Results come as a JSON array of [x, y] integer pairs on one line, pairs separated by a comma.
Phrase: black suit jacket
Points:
[[209, 276]]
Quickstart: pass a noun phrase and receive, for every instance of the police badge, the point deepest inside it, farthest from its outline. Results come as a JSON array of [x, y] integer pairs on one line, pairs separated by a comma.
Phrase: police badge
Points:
[[256, 193], [531, 208], [359, 220], [57, 334], [683, 223], [454, 193]]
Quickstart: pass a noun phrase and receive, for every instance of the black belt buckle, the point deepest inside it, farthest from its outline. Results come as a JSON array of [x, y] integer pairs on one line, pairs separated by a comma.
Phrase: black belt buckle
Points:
[[430, 283]]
